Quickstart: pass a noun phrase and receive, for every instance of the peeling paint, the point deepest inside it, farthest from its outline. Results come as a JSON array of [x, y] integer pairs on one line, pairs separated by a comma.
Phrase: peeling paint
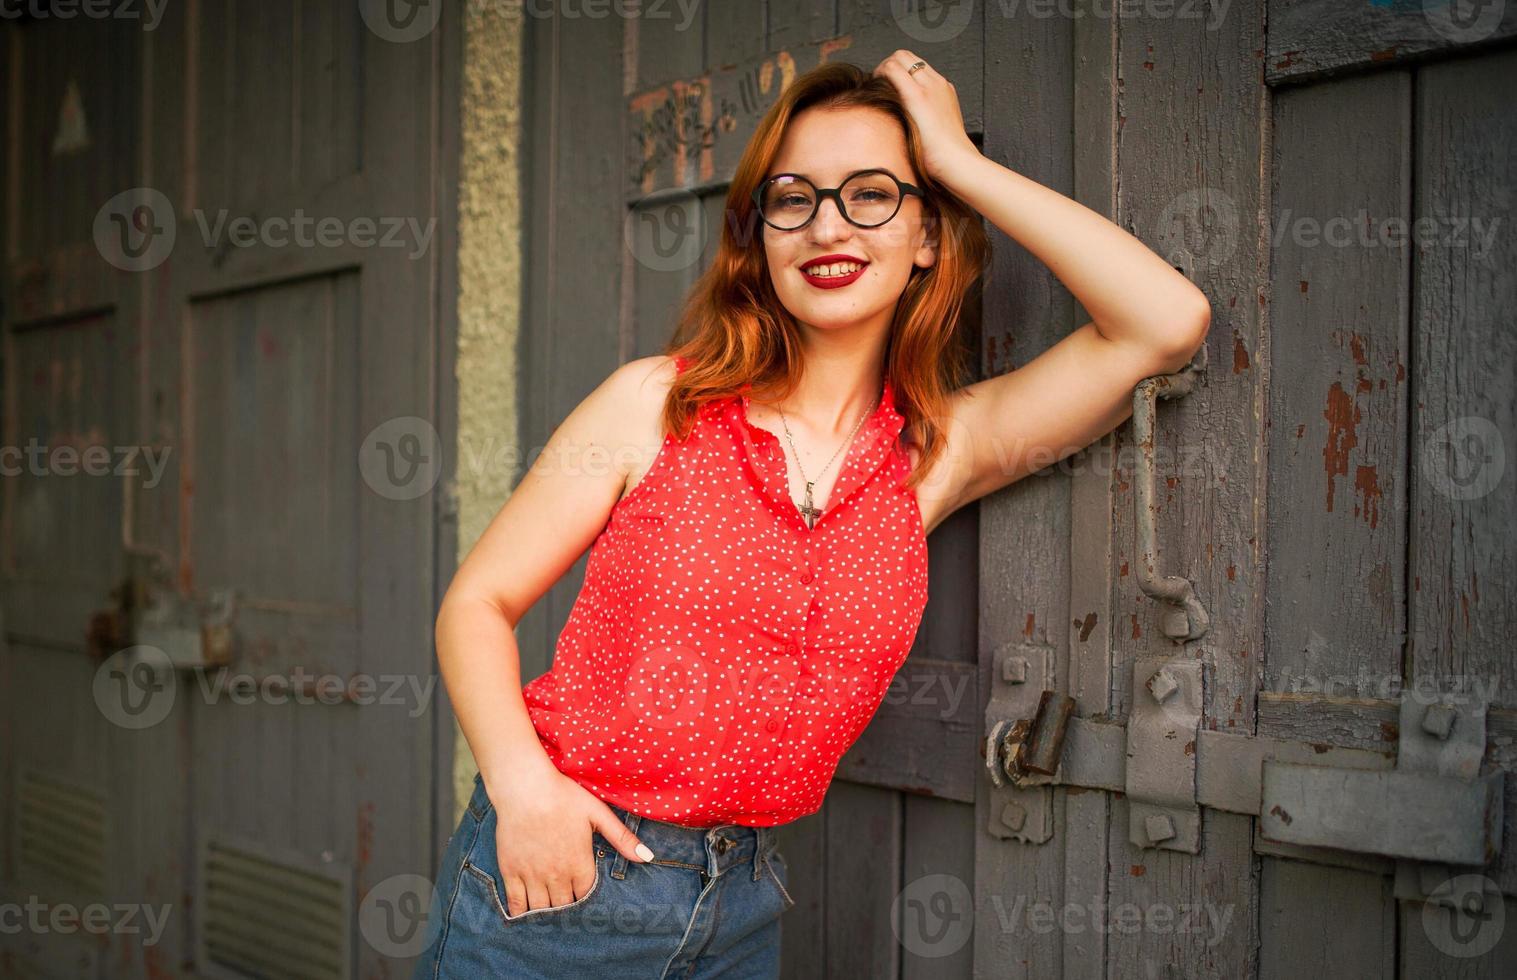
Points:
[[1367, 485], [1343, 419]]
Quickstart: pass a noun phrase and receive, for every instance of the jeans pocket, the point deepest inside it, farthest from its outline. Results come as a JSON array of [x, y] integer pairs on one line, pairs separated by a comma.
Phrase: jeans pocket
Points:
[[779, 877], [481, 870]]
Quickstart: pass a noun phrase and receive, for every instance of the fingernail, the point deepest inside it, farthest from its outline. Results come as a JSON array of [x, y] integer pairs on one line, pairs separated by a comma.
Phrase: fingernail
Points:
[[644, 853]]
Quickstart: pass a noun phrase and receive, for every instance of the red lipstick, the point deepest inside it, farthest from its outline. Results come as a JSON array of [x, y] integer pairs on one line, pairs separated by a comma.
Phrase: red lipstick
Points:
[[833, 282]]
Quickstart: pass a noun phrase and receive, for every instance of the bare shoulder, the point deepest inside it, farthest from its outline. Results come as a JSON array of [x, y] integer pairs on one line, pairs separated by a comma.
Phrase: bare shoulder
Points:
[[637, 391]]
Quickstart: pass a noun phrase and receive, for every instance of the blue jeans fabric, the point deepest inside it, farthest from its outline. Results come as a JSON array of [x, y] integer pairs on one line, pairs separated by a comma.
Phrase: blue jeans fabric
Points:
[[707, 906]]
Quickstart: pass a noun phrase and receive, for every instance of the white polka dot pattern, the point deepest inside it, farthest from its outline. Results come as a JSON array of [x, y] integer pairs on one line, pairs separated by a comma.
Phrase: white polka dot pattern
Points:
[[722, 656]]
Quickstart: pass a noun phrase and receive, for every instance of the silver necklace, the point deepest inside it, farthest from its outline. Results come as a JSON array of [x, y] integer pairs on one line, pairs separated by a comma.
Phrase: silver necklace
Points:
[[809, 510]]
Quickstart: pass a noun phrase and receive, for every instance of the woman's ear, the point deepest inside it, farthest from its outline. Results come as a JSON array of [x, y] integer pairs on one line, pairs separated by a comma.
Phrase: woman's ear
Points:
[[927, 252]]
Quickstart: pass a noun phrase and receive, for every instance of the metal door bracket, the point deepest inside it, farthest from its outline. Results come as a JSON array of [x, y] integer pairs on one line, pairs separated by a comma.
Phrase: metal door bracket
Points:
[[1160, 780], [1020, 673]]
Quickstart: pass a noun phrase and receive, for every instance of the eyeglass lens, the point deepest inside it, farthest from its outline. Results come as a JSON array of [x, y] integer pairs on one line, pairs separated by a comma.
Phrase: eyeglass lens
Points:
[[868, 199]]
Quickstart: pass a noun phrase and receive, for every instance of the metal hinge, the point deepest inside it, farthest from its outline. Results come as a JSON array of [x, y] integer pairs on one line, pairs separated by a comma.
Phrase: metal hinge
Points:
[[1430, 804]]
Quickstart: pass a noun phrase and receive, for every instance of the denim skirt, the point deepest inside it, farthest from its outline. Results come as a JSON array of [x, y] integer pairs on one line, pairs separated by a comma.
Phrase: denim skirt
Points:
[[707, 906]]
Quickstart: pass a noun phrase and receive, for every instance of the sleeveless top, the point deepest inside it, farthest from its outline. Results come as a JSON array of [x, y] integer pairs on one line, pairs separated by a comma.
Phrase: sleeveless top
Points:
[[721, 656]]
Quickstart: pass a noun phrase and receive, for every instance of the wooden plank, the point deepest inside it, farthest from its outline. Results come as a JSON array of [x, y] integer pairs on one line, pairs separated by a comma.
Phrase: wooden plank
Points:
[[690, 131], [1433, 947], [578, 330], [1025, 560], [1337, 406], [937, 863], [1464, 420], [796, 22], [734, 32], [925, 738], [864, 841], [1312, 38], [668, 40], [1358, 938], [1464, 417], [1092, 573], [1189, 151], [803, 930]]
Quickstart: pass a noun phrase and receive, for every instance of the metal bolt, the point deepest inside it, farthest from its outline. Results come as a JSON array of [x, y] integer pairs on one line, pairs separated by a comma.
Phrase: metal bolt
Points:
[[1159, 827], [1014, 670], [1014, 815], [1162, 685], [1176, 623], [1438, 720]]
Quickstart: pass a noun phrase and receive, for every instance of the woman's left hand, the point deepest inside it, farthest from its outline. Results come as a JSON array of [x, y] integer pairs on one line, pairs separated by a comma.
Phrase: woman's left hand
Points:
[[933, 104]]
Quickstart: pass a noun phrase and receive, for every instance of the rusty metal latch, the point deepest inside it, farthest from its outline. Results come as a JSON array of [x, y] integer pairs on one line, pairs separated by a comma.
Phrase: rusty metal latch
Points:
[[1184, 618], [1023, 749], [1432, 807]]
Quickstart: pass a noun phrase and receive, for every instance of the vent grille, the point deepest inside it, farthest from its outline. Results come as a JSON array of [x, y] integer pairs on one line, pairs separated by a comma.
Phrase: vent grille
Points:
[[268, 918], [61, 834]]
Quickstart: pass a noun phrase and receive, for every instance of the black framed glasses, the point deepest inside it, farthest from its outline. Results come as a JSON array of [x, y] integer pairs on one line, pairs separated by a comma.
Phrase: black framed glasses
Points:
[[868, 199]]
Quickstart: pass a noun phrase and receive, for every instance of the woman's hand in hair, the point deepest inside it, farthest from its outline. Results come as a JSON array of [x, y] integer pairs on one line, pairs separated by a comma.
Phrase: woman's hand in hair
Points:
[[933, 104]]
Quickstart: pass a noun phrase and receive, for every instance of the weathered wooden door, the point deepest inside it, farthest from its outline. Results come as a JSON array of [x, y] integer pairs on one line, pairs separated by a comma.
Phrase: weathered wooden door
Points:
[[1278, 595], [221, 264]]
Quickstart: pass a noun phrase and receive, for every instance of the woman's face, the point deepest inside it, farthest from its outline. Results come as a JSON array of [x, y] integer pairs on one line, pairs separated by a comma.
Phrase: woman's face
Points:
[[826, 146]]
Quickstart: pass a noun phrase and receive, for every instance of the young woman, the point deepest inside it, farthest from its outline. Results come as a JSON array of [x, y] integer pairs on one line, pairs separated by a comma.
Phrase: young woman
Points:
[[758, 502]]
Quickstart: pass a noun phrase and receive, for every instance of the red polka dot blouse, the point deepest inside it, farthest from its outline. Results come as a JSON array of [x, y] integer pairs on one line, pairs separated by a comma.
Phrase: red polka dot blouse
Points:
[[722, 656]]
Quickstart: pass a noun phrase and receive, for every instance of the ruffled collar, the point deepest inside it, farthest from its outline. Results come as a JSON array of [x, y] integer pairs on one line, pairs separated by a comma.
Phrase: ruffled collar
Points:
[[872, 446]]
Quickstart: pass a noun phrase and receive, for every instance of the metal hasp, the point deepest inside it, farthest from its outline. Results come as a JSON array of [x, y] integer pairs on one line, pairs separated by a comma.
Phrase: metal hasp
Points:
[[1184, 618], [1162, 810], [1020, 675], [1434, 806]]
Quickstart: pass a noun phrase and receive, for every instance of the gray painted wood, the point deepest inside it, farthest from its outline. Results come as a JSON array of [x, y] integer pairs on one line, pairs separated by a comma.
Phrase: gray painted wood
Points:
[[1325, 922], [1336, 434], [574, 333], [1185, 83], [1309, 39], [1025, 558], [260, 370], [1464, 367]]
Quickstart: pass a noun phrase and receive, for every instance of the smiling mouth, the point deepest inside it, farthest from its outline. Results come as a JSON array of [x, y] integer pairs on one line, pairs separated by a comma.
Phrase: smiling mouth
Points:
[[833, 270]]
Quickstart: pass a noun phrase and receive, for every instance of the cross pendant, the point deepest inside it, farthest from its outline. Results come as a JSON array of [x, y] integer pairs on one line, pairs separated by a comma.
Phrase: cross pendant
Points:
[[808, 511]]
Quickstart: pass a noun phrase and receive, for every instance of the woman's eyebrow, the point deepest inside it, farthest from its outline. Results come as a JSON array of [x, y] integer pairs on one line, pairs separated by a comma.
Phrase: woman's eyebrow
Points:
[[851, 173]]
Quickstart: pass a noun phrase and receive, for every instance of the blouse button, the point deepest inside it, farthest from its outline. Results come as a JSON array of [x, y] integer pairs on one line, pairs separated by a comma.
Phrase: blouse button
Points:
[[806, 577], [772, 726]]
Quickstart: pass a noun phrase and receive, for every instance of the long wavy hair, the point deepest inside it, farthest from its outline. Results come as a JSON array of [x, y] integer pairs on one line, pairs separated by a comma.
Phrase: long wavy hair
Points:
[[736, 335]]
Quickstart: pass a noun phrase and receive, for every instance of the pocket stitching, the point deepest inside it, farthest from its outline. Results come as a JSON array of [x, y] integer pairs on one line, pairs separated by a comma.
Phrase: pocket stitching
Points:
[[500, 907], [779, 884]]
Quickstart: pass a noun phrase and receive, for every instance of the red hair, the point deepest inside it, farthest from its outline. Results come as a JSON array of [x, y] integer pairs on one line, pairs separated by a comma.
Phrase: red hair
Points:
[[735, 333]]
